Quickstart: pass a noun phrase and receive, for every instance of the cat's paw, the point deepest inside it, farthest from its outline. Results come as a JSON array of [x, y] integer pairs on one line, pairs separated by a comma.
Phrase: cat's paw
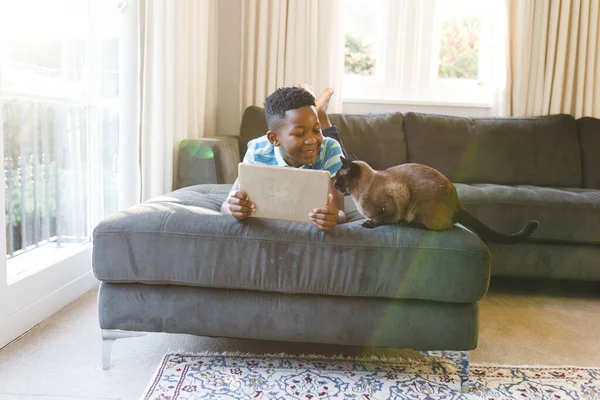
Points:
[[370, 224]]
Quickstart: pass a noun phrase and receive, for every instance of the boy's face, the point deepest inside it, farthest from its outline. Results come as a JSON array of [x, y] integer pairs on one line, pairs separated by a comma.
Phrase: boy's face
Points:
[[299, 137]]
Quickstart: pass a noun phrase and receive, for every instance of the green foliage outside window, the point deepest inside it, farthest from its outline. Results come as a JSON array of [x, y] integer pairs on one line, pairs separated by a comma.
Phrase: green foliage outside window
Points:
[[358, 59], [459, 48]]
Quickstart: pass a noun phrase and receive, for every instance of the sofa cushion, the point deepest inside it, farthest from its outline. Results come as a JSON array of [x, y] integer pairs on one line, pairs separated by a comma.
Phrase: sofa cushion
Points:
[[377, 139], [564, 261], [541, 151], [181, 238], [565, 215], [304, 318], [589, 136]]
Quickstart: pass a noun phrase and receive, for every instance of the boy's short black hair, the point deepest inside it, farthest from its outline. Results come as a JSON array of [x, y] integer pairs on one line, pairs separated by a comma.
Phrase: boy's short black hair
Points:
[[285, 99]]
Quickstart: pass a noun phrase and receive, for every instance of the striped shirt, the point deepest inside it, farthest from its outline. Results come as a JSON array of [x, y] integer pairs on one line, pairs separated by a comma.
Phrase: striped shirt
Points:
[[261, 151]]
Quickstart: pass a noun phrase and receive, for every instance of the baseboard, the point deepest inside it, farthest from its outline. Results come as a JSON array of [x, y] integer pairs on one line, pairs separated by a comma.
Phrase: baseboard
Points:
[[23, 321]]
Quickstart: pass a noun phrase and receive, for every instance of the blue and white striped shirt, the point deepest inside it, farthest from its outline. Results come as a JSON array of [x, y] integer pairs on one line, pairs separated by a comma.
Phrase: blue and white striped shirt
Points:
[[261, 151]]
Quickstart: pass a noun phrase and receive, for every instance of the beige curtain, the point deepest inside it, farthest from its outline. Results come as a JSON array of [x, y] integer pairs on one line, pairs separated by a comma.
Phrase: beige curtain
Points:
[[553, 57], [288, 42], [171, 92]]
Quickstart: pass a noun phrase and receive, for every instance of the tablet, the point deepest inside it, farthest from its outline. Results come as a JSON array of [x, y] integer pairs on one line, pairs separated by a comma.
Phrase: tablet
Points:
[[284, 193]]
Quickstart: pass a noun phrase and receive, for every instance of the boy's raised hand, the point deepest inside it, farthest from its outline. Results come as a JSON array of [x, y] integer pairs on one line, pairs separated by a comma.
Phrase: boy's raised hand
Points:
[[240, 205], [325, 218]]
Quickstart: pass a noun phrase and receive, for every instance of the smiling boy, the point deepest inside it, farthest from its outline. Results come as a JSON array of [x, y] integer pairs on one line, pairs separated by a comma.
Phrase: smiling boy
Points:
[[298, 137]]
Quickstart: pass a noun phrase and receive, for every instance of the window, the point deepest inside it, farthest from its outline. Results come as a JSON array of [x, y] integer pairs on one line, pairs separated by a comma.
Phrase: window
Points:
[[432, 51], [60, 91]]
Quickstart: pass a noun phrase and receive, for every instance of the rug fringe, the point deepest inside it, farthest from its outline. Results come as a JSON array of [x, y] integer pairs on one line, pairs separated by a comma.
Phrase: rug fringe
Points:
[[310, 356], [371, 358]]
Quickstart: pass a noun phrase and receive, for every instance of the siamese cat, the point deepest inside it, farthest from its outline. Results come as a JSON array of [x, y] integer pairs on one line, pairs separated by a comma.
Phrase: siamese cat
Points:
[[413, 194]]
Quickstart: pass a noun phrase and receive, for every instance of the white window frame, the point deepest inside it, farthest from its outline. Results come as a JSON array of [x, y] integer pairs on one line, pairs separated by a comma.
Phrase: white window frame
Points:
[[51, 278], [408, 74], [54, 277]]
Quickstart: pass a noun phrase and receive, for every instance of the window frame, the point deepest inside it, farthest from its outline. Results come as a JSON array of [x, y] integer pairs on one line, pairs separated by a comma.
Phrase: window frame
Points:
[[31, 295], [409, 72]]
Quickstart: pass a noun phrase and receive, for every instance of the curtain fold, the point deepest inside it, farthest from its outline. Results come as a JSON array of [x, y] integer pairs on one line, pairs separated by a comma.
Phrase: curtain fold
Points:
[[285, 43], [174, 92], [554, 62]]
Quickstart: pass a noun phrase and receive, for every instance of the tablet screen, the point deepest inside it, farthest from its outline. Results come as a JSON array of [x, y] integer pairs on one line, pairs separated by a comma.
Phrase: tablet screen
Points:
[[284, 193]]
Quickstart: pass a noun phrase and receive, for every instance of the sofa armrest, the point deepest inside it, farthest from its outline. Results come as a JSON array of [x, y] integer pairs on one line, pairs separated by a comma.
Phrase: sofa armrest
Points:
[[208, 161]]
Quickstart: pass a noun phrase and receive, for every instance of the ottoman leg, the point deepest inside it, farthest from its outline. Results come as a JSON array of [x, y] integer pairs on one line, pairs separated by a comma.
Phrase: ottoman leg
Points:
[[461, 359], [108, 339]]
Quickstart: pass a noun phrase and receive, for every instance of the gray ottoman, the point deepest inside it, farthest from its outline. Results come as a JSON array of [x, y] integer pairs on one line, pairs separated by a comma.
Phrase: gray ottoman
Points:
[[174, 264]]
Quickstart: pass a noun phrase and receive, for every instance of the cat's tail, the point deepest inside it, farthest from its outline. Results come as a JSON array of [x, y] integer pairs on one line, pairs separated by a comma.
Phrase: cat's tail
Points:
[[488, 234]]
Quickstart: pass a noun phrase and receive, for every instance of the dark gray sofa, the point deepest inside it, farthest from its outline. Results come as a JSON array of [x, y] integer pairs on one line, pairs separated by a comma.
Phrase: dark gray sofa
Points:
[[175, 264], [507, 171]]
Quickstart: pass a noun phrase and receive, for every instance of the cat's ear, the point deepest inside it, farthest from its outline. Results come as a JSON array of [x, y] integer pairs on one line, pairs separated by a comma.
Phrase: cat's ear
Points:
[[345, 162], [354, 169]]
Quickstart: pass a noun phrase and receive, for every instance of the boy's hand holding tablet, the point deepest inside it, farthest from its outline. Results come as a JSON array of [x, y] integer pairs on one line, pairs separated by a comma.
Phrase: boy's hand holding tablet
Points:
[[288, 173]]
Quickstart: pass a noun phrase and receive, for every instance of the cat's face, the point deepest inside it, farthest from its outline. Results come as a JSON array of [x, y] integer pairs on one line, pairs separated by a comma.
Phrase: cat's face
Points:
[[346, 175]]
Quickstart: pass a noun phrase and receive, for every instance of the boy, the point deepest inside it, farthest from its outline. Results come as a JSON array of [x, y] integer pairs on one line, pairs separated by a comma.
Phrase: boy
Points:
[[299, 137]]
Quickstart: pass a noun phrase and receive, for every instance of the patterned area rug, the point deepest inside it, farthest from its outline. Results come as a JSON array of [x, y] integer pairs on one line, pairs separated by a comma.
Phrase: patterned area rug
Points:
[[283, 377]]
